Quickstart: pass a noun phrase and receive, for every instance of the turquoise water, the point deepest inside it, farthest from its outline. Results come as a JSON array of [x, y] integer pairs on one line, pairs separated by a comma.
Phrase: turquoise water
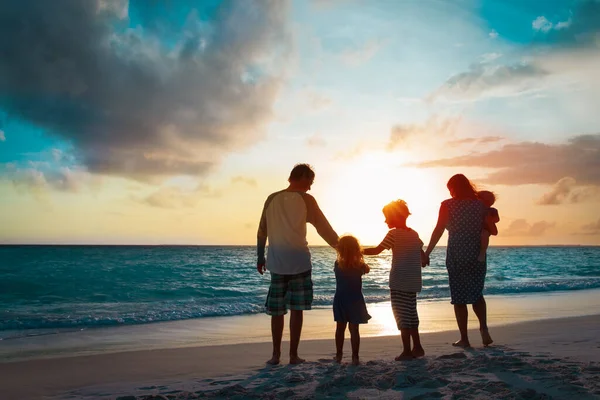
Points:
[[75, 287]]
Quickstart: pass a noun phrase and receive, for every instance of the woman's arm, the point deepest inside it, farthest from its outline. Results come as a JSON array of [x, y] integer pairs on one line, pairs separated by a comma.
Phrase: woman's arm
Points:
[[373, 251], [439, 229]]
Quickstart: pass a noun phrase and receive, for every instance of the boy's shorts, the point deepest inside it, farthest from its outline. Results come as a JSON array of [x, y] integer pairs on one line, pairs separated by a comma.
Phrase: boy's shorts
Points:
[[404, 306], [293, 290]]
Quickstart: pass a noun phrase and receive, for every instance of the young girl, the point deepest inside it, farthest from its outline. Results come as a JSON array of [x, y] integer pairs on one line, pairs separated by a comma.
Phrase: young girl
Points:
[[489, 226], [348, 303], [405, 275]]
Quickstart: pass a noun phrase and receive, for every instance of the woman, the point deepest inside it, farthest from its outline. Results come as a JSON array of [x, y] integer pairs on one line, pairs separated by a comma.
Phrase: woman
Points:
[[463, 215]]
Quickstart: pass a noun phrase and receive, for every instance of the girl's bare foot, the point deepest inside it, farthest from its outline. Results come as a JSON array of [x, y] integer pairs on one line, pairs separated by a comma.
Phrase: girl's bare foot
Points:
[[338, 357], [485, 337], [462, 343], [274, 360], [404, 356], [418, 352], [355, 360], [296, 360]]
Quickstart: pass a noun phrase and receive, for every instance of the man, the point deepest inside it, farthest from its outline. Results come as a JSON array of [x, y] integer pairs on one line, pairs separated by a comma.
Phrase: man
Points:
[[283, 222]]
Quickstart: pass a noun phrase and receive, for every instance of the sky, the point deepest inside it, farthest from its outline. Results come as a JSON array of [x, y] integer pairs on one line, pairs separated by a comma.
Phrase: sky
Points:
[[170, 122]]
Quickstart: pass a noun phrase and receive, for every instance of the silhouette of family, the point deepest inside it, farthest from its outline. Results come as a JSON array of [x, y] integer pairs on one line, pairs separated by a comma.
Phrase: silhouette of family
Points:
[[468, 216]]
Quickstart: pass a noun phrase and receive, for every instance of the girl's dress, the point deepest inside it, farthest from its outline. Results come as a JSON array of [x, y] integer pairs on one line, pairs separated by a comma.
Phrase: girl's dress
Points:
[[349, 303]]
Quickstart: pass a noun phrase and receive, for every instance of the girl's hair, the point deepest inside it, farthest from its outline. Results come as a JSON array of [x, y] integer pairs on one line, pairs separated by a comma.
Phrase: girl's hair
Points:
[[395, 210], [488, 198], [461, 188], [349, 253]]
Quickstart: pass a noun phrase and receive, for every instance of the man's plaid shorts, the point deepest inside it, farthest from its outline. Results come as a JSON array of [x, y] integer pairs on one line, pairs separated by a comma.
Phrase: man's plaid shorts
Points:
[[295, 291]]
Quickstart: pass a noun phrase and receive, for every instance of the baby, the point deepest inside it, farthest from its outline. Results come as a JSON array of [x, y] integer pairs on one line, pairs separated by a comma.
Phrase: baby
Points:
[[489, 226]]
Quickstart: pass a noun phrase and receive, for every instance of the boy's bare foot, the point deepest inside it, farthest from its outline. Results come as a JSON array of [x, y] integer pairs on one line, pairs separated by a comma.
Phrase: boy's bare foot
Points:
[[274, 360], [486, 338], [404, 356], [338, 357], [296, 360], [355, 360], [418, 352], [462, 343]]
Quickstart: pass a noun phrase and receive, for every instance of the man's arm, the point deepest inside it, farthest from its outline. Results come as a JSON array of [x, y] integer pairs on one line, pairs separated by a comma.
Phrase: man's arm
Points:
[[261, 240], [315, 216]]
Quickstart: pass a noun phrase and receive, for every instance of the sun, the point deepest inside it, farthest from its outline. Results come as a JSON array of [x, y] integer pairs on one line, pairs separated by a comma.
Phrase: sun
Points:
[[357, 193]]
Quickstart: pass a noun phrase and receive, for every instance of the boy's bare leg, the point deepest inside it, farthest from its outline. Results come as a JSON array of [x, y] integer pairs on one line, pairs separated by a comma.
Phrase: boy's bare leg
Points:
[[417, 350], [485, 242], [340, 330], [277, 322], [295, 330], [480, 309], [462, 317], [406, 352], [355, 341]]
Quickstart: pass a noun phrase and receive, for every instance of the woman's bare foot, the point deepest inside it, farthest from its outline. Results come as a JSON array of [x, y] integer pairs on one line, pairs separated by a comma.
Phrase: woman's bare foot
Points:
[[274, 360], [404, 356], [296, 360], [338, 357], [462, 343], [355, 360], [418, 352], [486, 338]]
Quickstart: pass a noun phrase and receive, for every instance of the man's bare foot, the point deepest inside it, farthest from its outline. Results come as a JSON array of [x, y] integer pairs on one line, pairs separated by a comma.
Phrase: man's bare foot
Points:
[[418, 352], [274, 360], [355, 360], [296, 360], [486, 338], [462, 343], [338, 357], [404, 356]]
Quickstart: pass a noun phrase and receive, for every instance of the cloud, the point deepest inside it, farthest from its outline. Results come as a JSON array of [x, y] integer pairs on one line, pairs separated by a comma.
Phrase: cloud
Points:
[[592, 228], [2, 137], [534, 162], [520, 227], [542, 24], [436, 126], [566, 191], [133, 103], [493, 34], [316, 140], [475, 140], [175, 197], [361, 54], [39, 178], [244, 180]]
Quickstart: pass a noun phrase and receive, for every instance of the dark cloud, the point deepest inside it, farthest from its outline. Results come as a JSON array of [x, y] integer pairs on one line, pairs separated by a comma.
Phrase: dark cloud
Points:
[[520, 227], [532, 162], [566, 191], [131, 103]]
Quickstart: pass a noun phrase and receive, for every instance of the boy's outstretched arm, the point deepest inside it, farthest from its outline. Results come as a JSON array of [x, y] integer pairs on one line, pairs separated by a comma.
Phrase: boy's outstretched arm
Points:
[[373, 251]]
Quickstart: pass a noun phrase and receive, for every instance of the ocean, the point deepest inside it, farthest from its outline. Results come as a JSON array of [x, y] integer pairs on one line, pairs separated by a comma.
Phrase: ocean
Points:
[[46, 288]]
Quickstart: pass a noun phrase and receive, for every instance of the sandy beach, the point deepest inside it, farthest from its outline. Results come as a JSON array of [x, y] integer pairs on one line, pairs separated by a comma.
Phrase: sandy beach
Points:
[[552, 358]]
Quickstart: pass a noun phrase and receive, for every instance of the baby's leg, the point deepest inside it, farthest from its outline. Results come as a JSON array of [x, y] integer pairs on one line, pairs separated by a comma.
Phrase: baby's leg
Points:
[[355, 341], [485, 241], [339, 340]]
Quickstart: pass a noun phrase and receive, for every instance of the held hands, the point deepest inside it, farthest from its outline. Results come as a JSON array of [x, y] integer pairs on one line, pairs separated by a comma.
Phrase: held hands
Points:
[[424, 260], [260, 267]]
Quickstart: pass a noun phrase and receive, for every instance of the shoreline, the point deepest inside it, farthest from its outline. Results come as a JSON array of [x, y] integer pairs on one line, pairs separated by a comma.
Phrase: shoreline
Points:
[[564, 344], [435, 316]]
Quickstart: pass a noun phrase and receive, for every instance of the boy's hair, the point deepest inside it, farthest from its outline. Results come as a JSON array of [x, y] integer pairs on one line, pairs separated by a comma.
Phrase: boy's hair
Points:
[[397, 209], [488, 198], [349, 253], [301, 171]]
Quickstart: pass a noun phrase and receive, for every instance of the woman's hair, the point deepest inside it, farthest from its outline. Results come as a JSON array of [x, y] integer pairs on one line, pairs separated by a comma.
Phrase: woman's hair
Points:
[[395, 210], [349, 253], [461, 188], [488, 198]]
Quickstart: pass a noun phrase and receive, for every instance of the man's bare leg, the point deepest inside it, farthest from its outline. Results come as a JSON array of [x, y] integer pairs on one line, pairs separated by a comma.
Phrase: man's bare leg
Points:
[[295, 330], [277, 322], [462, 317], [480, 309]]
